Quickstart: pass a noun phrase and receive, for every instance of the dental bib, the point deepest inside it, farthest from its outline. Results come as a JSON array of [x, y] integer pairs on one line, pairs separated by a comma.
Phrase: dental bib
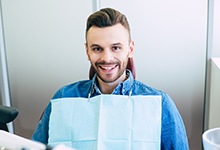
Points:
[[106, 122]]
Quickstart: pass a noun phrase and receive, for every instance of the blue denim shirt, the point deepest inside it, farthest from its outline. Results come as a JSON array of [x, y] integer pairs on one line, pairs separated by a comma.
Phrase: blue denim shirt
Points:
[[173, 134]]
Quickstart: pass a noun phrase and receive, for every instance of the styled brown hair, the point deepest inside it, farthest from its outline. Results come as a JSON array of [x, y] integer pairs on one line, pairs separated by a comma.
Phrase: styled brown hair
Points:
[[107, 17]]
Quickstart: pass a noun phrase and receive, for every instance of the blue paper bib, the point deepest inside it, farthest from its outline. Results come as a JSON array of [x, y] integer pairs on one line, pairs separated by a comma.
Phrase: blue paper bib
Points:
[[106, 122]]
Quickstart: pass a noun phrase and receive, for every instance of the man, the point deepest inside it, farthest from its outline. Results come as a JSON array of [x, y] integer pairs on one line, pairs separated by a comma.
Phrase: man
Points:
[[108, 48]]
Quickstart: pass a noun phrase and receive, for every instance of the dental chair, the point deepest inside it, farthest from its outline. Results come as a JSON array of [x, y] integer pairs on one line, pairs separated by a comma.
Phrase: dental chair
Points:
[[130, 66], [12, 141], [7, 115]]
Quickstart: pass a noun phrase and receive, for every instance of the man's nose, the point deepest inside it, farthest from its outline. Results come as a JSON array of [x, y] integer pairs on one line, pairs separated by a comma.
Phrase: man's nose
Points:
[[107, 56]]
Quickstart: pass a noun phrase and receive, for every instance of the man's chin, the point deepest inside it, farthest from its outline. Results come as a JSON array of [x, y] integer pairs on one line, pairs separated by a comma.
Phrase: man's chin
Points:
[[107, 80]]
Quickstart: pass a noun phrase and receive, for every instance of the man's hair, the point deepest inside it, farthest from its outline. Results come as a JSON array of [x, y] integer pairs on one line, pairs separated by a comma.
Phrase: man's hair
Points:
[[107, 17]]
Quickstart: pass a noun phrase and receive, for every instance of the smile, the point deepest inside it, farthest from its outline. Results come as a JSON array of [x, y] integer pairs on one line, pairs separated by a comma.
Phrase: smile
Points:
[[108, 68]]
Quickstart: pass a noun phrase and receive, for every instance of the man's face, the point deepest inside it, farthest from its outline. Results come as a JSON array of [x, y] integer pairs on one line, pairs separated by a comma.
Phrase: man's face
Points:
[[108, 50]]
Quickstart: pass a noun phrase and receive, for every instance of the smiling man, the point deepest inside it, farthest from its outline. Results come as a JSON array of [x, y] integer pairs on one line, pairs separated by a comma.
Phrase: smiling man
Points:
[[108, 53], [122, 113]]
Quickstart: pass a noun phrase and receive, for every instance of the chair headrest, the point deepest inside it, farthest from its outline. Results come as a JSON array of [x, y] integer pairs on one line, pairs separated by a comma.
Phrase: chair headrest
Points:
[[130, 66]]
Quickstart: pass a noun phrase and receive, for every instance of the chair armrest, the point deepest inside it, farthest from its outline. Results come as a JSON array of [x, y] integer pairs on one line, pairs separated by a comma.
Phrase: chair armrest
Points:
[[7, 114]]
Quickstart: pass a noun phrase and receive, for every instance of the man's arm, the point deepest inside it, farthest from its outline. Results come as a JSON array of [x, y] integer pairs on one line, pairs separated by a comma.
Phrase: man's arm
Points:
[[41, 132], [173, 133]]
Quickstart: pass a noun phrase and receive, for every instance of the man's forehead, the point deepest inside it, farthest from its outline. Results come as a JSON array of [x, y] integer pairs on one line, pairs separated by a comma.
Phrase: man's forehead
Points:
[[112, 35], [115, 28]]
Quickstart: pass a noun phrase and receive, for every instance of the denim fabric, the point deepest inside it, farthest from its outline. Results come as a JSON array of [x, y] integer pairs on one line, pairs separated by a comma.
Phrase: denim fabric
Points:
[[173, 134]]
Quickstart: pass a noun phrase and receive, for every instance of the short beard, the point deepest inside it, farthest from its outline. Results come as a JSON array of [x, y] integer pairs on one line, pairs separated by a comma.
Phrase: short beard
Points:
[[114, 79]]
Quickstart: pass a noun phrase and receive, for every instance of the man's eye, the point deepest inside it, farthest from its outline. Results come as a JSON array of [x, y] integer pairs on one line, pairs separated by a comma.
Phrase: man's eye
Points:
[[116, 48], [97, 49]]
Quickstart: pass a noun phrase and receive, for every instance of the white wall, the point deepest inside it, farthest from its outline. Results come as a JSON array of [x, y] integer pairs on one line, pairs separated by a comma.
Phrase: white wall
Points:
[[45, 50], [215, 29], [44, 41]]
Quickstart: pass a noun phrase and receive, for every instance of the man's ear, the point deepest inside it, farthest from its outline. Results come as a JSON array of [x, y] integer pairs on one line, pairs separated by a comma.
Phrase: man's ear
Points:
[[87, 51], [131, 52]]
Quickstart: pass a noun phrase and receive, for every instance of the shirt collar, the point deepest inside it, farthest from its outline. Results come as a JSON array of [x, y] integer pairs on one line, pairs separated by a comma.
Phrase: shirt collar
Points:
[[123, 88]]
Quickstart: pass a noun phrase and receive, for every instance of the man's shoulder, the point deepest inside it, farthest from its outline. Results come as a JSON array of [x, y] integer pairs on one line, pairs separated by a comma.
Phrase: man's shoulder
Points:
[[76, 89], [144, 89], [139, 88], [77, 85]]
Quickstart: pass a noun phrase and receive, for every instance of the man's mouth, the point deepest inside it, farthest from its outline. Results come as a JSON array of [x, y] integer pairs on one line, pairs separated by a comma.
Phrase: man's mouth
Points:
[[108, 68]]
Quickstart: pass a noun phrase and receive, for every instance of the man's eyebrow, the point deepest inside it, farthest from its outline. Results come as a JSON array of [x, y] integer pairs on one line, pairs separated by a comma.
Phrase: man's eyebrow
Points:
[[95, 45], [115, 44]]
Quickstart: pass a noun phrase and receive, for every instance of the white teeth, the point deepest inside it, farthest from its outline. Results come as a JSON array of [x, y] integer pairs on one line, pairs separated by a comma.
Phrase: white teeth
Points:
[[107, 68]]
